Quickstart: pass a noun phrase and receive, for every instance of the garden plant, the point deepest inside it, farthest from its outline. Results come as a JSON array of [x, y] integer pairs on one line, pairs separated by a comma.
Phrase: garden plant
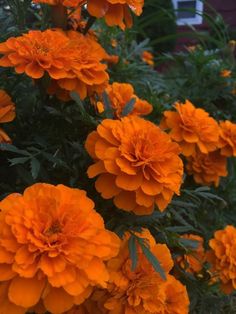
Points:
[[117, 160]]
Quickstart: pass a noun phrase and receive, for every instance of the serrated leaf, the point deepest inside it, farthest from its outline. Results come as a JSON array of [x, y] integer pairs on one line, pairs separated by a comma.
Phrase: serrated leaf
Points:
[[13, 149], [152, 259], [133, 252], [18, 160], [128, 107], [34, 167]]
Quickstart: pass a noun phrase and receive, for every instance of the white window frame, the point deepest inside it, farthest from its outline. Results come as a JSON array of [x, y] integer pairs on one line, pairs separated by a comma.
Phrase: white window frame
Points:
[[197, 20]]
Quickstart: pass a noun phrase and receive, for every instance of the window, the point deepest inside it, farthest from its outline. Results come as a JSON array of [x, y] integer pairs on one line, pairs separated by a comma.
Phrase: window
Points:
[[188, 12]]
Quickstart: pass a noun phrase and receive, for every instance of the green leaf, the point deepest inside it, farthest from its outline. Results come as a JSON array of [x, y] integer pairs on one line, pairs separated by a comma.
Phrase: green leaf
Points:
[[152, 259], [18, 160], [133, 251], [13, 149], [107, 104], [35, 167], [191, 244], [128, 107]]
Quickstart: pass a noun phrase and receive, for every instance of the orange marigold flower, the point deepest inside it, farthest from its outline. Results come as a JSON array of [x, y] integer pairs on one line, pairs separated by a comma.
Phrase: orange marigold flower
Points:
[[73, 60], [141, 291], [37, 53], [207, 168], [193, 262], [147, 57], [223, 259], [53, 245], [115, 12], [67, 3], [225, 73], [227, 140], [136, 162], [7, 114], [120, 94], [192, 128]]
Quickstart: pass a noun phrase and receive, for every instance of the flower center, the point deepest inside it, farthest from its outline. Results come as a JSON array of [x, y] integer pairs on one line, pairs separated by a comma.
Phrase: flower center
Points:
[[53, 229]]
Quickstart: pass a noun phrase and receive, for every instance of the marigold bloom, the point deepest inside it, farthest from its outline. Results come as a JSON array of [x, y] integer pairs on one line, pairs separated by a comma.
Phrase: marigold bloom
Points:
[[147, 57], [66, 3], [207, 168], [227, 140], [192, 128], [120, 94], [225, 73], [115, 12], [7, 113], [73, 60], [193, 262], [223, 259], [137, 164], [141, 291], [53, 246]]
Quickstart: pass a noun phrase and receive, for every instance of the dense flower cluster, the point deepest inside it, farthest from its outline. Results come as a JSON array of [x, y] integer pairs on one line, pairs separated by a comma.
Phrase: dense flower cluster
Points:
[[137, 164], [53, 246], [207, 168], [7, 114], [193, 261], [72, 61], [115, 12], [141, 291], [223, 259], [120, 95], [227, 141], [192, 128]]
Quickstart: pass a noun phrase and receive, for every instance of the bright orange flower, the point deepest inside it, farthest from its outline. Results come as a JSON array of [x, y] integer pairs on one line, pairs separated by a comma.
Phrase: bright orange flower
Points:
[[227, 140], [7, 114], [53, 246], [67, 3], [193, 262], [136, 162], [115, 12], [223, 259], [87, 74], [73, 60], [141, 291], [37, 53], [225, 73], [147, 57], [207, 168], [192, 127], [120, 94]]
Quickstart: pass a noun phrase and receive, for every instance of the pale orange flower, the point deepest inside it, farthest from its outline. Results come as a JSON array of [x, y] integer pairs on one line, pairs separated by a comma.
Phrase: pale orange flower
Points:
[[193, 261], [71, 59], [192, 128], [147, 57], [53, 246], [141, 291], [115, 12], [120, 94], [227, 140], [7, 114], [207, 168], [137, 164], [223, 259]]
